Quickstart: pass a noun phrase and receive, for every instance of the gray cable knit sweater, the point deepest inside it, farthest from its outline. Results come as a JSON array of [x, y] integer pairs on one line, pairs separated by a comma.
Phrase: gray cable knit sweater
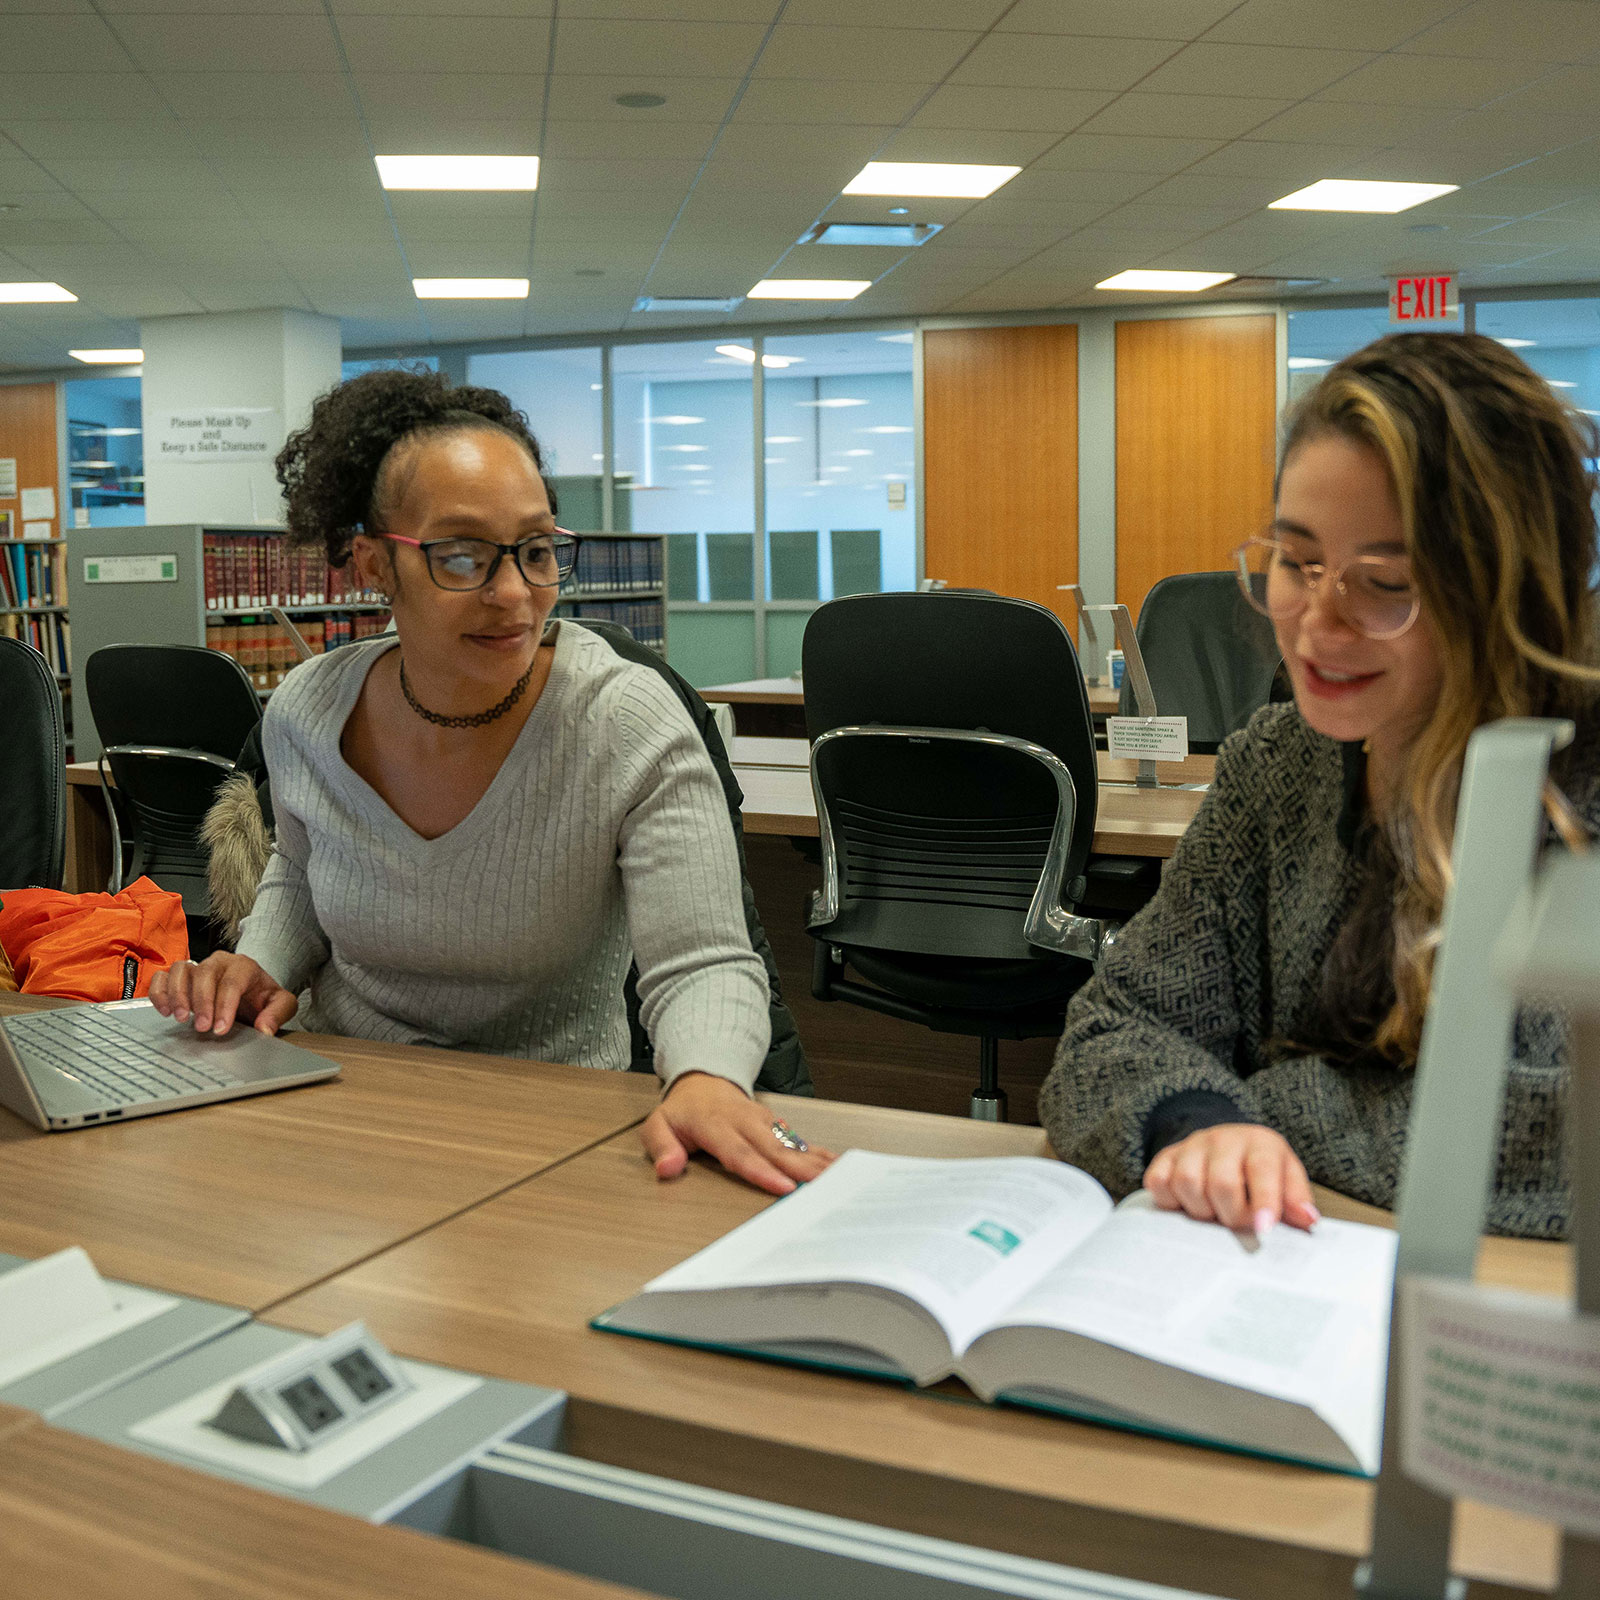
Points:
[[603, 837], [1180, 1027]]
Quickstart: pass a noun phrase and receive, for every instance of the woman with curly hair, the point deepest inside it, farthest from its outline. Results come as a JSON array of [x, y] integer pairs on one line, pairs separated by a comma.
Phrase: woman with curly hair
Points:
[[1255, 1027], [483, 818]]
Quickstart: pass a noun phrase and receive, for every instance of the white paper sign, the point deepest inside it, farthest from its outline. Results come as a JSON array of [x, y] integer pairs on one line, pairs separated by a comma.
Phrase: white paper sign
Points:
[[36, 530], [130, 569], [1148, 738], [214, 433], [8, 477], [38, 503], [1500, 1399]]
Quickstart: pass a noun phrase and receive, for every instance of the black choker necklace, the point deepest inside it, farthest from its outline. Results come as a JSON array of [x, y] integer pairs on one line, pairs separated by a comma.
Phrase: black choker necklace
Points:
[[492, 714]]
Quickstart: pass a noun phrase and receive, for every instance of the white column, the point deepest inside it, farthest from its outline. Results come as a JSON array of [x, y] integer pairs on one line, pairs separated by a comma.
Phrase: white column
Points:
[[221, 392]]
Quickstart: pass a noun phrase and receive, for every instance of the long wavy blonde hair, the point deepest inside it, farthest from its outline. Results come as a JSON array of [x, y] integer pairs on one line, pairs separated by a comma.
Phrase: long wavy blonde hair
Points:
[[1495, 486]]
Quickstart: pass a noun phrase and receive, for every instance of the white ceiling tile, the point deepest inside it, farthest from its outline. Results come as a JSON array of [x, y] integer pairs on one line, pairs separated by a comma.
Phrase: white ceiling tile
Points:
[[834, 153], [1129, 19], [1572, 91], [1528, 30], [1100, 152], [620, 177], [1184, 116], [210, 200], [209, 95], [997, 147], [877, 208], [119, 8], [206, 43], [147, 139], [1349, 25], [20, 176], [1204, 190], [83, 97], [466, 258], [488, 45], [59, 43], [604, 140], [354, 176], [1506, 136], [1432, 81], [830, 100], [437, 103], [1032, 60], [962, 105], [592, 209], [959, 14], [658, 49], [1041, 186], [440, 213], [1246, 69], [922, 55], [185, 175], [1334, 122], [442, 9], [585, 97]]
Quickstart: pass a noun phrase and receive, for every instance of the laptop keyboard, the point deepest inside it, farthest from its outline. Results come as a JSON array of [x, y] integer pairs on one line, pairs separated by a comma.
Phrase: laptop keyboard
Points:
[[112, 1060]]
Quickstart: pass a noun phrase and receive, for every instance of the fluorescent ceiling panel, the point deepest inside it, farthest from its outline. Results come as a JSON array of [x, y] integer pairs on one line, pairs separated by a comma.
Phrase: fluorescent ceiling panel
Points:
[[1166, 282], [743, 352], [32, 294], [899, 235], [1358, 194], [108, 358], [650, 302], [458, 172], [470, 288], [944, 179], [809, 288]]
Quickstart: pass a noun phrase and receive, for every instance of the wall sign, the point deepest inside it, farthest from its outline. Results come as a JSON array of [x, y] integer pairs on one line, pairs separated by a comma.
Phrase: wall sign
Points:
[[1430, 298], [214, 433], [130, 569]]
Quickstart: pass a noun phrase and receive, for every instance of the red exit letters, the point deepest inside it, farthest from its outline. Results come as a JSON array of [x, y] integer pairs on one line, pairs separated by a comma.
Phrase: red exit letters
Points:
[[1424, 299]]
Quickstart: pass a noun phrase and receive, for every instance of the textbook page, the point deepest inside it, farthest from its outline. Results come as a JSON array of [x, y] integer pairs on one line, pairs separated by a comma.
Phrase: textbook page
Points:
[[960, 1237], [1300, 1316]]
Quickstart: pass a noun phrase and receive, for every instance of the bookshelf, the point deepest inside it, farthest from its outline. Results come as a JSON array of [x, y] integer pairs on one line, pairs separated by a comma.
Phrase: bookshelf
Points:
[[33, 603], [620, 577]]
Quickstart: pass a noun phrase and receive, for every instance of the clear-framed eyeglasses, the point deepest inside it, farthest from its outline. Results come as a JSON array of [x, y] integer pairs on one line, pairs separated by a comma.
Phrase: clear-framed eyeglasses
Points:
[[1375, 594], [545, 560]]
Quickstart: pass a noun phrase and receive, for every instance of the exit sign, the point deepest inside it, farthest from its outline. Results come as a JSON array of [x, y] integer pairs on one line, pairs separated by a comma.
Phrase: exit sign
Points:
[[1431, 298]]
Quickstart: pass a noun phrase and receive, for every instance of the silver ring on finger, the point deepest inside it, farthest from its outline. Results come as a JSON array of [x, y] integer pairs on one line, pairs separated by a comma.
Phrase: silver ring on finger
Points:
[[787, 1137]]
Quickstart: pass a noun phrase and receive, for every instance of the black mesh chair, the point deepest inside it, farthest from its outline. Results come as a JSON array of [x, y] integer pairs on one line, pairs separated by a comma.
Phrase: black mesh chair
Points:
[[953, 762], [171, 720], [1211, 657], [33, 772]]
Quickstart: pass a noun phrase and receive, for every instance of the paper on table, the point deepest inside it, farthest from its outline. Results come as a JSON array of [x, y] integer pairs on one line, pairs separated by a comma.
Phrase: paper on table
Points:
[[38, 503], [1500, 1399], [54, 1307]]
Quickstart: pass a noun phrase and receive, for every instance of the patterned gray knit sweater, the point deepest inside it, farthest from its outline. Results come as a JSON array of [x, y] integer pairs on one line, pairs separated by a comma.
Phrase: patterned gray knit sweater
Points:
[[1180, 1027], [603, 837]]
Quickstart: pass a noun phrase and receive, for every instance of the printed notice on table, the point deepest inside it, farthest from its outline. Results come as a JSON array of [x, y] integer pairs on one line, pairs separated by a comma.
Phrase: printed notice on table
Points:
[[1500, 1399], [1148, 738], [216, 433]]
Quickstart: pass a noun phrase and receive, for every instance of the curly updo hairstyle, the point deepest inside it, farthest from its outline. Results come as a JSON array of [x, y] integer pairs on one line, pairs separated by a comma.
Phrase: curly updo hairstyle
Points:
[[334, 471]]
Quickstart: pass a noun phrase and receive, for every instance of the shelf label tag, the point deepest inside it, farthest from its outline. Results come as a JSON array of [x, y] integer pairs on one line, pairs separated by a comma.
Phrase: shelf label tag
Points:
[[1500, 1399], [131, 569], [1148, 738]]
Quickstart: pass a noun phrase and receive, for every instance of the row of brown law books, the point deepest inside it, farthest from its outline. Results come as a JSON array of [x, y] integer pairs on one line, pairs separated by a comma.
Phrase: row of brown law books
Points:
[[243, 570], [267, 653]]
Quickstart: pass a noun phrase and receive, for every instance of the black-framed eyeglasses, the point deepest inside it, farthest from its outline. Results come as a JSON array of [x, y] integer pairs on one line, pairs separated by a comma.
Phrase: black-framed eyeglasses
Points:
[[545, 560]]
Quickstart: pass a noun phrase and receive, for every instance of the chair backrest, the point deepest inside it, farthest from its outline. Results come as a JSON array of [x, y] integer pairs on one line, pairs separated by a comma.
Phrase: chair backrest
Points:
[[940, 845], [33, 774], [1210, 655], [180, 695]]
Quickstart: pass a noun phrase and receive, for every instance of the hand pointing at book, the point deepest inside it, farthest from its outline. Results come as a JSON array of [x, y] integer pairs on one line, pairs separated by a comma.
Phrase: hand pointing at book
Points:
[[1238, 1173]]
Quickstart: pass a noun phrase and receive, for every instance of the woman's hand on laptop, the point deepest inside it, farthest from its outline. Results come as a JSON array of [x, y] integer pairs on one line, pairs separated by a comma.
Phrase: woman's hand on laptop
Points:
[[217, 991]]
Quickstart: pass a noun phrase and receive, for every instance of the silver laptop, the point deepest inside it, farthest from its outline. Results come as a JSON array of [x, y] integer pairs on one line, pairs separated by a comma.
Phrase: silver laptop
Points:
[[87, 1064]]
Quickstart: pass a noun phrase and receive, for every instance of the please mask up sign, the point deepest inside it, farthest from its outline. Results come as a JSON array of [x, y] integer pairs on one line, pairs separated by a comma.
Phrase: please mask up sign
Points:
[[1430, 297]]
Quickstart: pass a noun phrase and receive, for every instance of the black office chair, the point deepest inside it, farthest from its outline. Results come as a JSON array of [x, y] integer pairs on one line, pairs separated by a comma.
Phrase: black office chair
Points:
[[1210, 656], [171, 720], [33, 774], [954, 766]]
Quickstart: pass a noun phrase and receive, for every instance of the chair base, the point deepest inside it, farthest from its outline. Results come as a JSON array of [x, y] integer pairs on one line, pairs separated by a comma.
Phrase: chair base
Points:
[[989, 1107]]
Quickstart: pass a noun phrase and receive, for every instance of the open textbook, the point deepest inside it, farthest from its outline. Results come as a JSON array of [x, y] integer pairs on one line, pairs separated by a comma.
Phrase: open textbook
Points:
[[1023, 1279]]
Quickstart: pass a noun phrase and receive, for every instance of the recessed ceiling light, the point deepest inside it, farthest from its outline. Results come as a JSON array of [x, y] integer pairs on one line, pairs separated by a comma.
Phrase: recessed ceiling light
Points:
[[830, 405], [897, 235], [743, 352], [458, 172], [1307, 363], [810, 288], [1516, 344], [678, 422], [651, 302], [108, 358], [641, 102], [783, 438], [1170, 282], [470, 288], [29, 294], [1358, 194], [945, 179]]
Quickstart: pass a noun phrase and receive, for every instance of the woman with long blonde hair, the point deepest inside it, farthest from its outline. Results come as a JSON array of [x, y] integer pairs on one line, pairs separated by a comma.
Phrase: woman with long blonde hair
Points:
[[1429, 569]]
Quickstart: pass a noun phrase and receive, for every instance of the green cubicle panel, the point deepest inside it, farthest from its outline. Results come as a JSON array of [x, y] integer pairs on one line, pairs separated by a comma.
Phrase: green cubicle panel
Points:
[[683, 566], [792, 564], [730, 565], [857, 561], [712, 646], [785, 630], [579, 504]]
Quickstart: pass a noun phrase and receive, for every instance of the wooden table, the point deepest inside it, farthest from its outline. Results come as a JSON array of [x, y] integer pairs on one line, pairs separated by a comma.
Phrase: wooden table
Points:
[[83, 1520], [248, 1201], [589, 1233], [754, 751], [1128, 821]]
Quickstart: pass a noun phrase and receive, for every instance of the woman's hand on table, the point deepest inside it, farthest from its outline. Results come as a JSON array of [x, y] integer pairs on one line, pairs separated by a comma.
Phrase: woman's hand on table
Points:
[[219, 990], [704, 1112], [1237, 1173]]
